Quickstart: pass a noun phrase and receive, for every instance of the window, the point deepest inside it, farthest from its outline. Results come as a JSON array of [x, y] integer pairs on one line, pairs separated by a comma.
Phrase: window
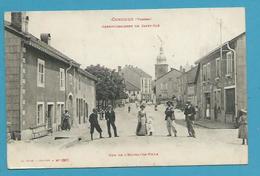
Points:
[[40, 113], [229, 63], [204, 72], [62, 79], [208, 71], [218, 67], [40, 73]]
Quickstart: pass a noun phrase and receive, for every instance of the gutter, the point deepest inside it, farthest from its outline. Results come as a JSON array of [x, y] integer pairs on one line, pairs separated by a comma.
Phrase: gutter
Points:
[[235, 75], [66, 78]]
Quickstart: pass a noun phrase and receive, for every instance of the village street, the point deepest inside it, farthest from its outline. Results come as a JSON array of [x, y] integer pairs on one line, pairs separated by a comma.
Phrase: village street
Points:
[[211, 146]]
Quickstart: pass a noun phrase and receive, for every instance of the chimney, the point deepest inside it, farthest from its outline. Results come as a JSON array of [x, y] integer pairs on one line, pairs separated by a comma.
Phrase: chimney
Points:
[[46, 38], [181, 68], [172, 69], [20, 21]]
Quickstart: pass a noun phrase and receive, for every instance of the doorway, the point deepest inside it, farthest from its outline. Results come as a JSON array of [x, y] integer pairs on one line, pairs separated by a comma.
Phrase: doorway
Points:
[[230, 107], [207, 106], [50, 113]]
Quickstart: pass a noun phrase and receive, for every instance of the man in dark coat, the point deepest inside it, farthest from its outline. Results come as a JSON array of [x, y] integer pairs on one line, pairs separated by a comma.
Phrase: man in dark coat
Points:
[[190, 112], [170, 117], [110, 117], [93, 120]]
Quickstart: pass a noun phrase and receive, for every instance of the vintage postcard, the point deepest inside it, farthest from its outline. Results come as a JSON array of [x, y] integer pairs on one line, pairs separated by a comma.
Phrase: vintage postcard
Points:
[[123, 88]]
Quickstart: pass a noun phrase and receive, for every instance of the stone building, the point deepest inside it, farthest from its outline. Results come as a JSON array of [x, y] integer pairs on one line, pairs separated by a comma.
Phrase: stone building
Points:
[[133, 92], [41, 83], [222, 85], [187, 86], [166, 86], [139, 79]]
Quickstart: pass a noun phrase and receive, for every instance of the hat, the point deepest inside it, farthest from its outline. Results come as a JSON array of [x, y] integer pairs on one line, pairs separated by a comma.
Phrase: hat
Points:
[[244, 111], [142, 105], [168, 102]]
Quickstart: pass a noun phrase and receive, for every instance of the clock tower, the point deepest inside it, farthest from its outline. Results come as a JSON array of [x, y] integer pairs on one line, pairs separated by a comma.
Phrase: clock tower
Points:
[[161, 66]]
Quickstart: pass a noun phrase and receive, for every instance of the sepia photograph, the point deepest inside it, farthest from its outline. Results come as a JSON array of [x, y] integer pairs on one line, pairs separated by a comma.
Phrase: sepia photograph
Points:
[[126, 88]]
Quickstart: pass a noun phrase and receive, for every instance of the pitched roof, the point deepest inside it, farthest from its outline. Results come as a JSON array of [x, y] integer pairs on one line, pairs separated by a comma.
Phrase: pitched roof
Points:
[[131, 87], [192, 75], [218, 48], [36, 43], [172, 69], [138, 71]]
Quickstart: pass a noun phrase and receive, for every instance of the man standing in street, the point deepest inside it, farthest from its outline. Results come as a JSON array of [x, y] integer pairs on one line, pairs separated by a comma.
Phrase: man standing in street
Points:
[[170, 117], [110, 117], [93, 120], [189, 113]]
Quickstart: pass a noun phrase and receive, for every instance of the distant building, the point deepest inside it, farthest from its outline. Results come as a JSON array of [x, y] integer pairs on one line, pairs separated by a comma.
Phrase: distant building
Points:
[[165, 81], [187, 86], [222, 82], [166, 86], [136, 77], [41, 83], [133, 92]]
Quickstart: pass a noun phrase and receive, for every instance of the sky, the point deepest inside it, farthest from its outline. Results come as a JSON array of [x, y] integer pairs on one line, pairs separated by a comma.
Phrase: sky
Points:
[[186, 34]]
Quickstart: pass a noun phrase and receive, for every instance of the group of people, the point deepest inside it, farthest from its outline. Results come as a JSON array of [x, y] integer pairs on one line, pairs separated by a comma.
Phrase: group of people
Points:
[[145, 126], [145, 123], [110, 118]]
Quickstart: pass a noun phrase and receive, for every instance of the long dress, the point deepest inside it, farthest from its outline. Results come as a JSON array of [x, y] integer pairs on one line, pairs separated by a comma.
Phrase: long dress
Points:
[[242, 131], [141, 125]]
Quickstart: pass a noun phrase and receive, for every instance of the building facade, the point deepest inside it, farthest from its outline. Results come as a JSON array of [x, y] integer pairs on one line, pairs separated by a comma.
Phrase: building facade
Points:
[[41, 83], [222, 82], [140, 80], [133, 92], [166, 86]]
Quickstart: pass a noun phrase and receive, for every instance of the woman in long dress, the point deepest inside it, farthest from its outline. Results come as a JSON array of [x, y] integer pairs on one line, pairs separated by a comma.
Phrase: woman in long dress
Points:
[[141, 125], [242, 130]]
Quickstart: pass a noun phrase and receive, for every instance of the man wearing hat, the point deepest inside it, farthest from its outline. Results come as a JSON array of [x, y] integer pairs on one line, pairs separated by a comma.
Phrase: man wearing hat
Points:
[[242, 130], [93, 120], [110, 117], [189, 113], [170, 117]]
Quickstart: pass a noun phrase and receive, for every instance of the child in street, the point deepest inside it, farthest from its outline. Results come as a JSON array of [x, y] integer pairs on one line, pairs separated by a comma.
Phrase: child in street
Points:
[[149, 126]]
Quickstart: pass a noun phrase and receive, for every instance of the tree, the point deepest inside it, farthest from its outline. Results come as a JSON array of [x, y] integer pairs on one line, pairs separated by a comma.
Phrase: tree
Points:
[[110, 85]]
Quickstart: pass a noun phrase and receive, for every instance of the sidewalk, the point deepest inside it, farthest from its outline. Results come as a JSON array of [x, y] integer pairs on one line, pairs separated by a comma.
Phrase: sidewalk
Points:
[[64, 138], [211, 124]]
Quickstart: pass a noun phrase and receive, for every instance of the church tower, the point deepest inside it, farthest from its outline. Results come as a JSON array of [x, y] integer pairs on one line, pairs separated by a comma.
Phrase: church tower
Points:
[[161, 66]]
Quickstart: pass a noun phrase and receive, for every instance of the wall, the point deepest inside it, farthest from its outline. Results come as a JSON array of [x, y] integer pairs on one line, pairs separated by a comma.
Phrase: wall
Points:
[[50, 93], [223, 83], [84, 93], [172, 85], [13, 55], [241, 73]]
